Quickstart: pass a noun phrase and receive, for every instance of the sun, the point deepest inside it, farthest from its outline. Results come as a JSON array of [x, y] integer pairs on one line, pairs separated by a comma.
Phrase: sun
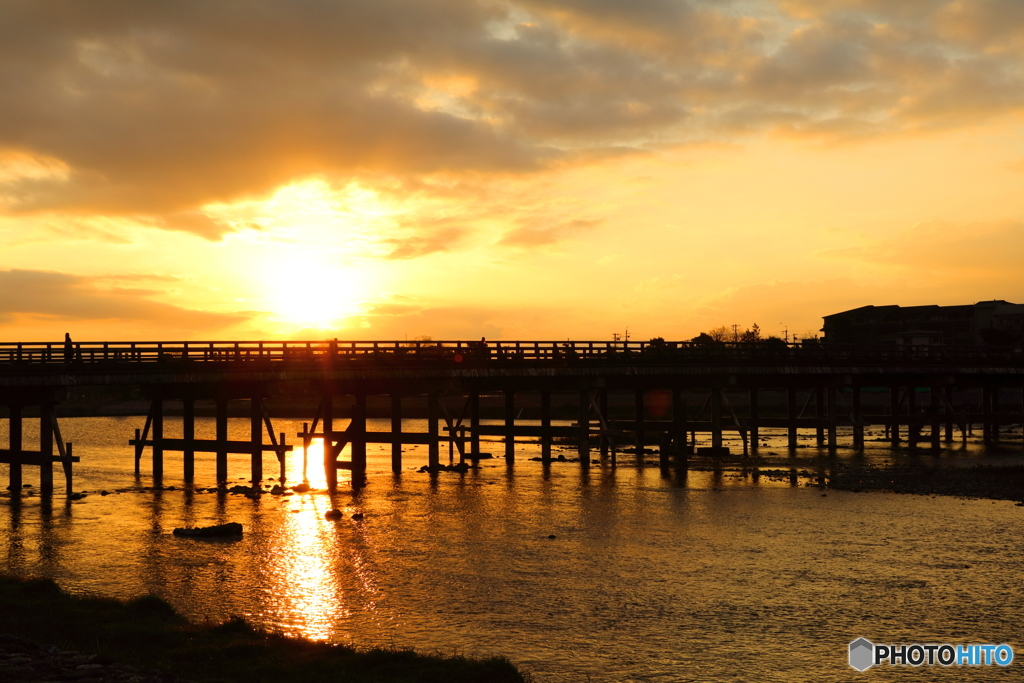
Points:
[[303, 292]]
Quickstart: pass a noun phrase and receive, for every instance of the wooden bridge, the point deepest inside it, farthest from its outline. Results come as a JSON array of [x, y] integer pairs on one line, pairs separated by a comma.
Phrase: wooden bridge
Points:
[[822, 384]]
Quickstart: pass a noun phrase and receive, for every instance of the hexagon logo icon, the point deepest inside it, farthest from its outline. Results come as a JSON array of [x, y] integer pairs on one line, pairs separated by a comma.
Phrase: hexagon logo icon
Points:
[[862, 654]]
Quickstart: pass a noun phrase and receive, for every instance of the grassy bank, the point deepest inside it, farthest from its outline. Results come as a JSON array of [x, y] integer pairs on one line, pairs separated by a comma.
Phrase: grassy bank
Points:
[[148, 634]]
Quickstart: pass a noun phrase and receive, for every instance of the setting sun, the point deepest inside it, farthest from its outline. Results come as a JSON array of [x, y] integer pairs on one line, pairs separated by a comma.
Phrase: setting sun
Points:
[[304, 292]]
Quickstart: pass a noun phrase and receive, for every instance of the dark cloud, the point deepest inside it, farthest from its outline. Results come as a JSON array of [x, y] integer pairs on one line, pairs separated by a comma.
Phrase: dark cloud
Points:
[[157, 108], [41, 294]]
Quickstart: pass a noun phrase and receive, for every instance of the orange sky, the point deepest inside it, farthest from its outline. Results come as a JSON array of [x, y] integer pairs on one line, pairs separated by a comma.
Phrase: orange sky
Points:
[[533, 169]]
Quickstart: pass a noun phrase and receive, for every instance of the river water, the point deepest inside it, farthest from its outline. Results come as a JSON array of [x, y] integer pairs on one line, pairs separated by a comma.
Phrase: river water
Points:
[[709, 576]]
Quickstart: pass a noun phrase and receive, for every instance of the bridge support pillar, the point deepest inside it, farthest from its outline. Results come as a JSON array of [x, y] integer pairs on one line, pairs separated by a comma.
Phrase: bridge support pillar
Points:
[[583, 449], [330, 456], [474, 425], [935, 413], [46, 450], [157, 411], [755, 432], [396, 432], [857, 418], [221, 428], [716, 419], [986, 414], [819, 415], [545, 426], [510, 423], [358, 439], [433, 443], [679, 428], [913, 421], [15, 433], [188, 427], [948, 412], [791, 418], [995, 415], [602, 405], [833, 437], [894, 416], [256, 438], [638, 426]]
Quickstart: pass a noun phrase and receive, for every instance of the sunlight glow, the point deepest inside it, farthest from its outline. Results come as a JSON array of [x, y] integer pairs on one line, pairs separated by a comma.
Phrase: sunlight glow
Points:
[[303, 291]]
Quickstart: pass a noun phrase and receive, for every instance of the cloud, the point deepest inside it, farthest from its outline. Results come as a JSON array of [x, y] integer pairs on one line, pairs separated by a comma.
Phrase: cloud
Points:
[[37, 294], [416, 246], [529, 236], [154, 110]]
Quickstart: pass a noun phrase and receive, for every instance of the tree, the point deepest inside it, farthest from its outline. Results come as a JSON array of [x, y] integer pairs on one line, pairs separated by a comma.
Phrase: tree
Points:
[[720, 334], [751, 335]]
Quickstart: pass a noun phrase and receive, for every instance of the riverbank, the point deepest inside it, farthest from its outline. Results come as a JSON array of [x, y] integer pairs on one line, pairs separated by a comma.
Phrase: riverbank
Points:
[[46, 634]]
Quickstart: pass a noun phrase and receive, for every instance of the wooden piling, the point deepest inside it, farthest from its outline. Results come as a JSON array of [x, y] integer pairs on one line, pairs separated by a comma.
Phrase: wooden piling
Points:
[[894, 416], [221, 427], [791, 417], [986, 414], [474, 425], [188, 434], [69, 480], [545, 426], [433, 444], [583, 449], [14, 411], [913, 420], [716, 418], [755, 433], [948, 410], [820, 416], [157, 410], [833, 417], [510, 423], [330, 456], [256, 438], [995, 415], [638, 427], [679, 428], [357, 437], [857, 417], [46, 450], [396, 432], [602, 406]]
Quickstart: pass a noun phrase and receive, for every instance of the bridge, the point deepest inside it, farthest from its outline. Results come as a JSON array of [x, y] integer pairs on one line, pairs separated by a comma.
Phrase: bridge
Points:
[[823, 387]]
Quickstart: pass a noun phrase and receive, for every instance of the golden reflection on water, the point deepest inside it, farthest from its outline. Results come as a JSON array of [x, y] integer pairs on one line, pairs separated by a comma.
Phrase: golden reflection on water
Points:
[[303, 592], [312, 466], [320, 570]]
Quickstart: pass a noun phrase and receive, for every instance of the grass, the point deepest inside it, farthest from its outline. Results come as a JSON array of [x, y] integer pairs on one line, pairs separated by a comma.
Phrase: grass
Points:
[[147, 633]]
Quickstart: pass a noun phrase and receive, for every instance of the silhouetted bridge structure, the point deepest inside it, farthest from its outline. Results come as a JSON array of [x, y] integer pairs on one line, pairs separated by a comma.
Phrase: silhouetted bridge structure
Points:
[[823, 387]]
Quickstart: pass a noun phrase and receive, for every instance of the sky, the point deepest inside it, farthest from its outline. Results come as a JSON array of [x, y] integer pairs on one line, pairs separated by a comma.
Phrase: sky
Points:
[[535, 169]]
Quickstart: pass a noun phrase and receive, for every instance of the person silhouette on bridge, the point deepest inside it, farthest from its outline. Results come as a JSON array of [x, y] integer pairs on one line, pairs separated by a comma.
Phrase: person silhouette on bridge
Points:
[[69, 349]]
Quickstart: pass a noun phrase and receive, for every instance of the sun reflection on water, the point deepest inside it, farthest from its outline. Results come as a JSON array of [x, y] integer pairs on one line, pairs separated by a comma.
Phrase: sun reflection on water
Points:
[[308, 598]]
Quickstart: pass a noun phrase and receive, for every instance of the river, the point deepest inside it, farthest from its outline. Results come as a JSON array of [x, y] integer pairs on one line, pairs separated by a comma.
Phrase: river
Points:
[[618, 574]]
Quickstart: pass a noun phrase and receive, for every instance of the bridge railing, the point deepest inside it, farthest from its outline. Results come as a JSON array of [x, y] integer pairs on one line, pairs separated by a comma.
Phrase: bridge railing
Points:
[[297, 352]]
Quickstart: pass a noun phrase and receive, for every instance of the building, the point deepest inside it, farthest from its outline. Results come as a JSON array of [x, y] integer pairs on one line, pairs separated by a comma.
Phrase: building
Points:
[[994, 323]]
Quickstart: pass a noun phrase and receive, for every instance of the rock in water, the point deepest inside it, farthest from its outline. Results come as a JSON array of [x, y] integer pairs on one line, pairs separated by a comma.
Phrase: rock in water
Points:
[[333, 514], [218, 530]]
